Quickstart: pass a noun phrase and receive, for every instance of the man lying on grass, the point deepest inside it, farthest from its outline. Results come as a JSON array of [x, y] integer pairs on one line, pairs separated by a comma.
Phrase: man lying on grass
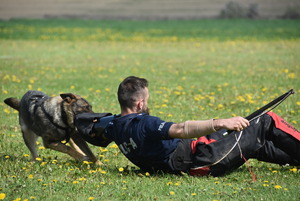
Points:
[[153, 144]]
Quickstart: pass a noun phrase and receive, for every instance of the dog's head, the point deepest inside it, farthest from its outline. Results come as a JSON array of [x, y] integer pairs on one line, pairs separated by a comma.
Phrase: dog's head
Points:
[[73, 105]]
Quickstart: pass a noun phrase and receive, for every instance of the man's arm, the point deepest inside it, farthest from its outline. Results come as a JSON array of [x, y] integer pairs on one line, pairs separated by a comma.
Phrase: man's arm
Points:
[[196, 129]]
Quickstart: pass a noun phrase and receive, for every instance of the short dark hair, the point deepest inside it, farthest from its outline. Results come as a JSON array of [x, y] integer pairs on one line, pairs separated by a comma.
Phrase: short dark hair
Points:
[[130, 89]]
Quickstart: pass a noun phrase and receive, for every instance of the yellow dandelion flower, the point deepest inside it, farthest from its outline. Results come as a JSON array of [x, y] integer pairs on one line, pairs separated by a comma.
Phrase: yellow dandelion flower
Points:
[[114, 146], [274, 171], [17, 199], [285, 189], [41, 148], [30, 176], [298, 103], [107, 89], [15, 79], [147, 174], [294, 170], [103, 172], [39, 89], [265, 185], [177, 184], [220, 106], [75, 182], [193, 194], [82, 179], [32, 197], [38, 159], [180, 88], [91, 198], [241, 98], [121, 169], [26, 155], [172, 193], [277, 187], [5, 92], [87, 162], [29, 87], [72, 87], [7, 111], [169, 183], [6, 77], [103, 149], [292, 75], [178, 93], [7, 156], [2, 196]]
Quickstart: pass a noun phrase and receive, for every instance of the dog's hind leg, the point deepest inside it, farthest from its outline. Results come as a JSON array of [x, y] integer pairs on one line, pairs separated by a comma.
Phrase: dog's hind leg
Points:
[[30, 140]]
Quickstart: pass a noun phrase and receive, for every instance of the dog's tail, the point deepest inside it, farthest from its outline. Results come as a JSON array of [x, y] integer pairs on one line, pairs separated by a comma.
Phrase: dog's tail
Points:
[[13, 102]]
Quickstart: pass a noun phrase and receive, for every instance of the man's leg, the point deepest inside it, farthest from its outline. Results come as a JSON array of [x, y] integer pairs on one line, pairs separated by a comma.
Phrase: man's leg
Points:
[[270, 153], [284, 136], [221, 152], [218, 154]]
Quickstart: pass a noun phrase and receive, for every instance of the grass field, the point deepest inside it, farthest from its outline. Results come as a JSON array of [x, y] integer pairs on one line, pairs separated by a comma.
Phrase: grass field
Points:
[[196, 69]]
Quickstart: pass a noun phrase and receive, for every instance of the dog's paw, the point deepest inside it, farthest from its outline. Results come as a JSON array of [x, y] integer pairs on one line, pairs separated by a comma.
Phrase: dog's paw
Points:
[[99, 163]]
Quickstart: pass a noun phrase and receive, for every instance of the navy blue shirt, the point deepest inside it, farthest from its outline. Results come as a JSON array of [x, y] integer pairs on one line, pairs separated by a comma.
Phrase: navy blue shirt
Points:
[[143, 139]]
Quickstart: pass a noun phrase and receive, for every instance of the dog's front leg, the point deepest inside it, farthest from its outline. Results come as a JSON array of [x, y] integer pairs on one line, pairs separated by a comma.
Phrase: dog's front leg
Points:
[[81, 146], [58, 146]]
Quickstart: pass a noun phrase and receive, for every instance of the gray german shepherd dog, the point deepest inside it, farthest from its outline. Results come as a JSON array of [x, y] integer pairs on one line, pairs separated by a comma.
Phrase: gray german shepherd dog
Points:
[[52, 118]]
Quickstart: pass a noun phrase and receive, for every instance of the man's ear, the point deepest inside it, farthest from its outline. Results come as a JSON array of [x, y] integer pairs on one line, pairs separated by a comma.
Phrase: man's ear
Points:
[[140, 104], [68, 97]]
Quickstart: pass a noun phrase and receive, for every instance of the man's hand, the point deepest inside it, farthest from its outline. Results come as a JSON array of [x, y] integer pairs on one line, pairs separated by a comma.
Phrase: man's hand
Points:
[[234, 123]]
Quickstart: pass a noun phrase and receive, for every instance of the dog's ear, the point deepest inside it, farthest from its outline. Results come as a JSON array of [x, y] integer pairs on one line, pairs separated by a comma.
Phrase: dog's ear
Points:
[[68, 97]]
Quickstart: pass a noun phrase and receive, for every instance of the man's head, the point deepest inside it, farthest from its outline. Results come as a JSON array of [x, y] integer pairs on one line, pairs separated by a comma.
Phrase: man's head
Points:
[[133, 94]]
